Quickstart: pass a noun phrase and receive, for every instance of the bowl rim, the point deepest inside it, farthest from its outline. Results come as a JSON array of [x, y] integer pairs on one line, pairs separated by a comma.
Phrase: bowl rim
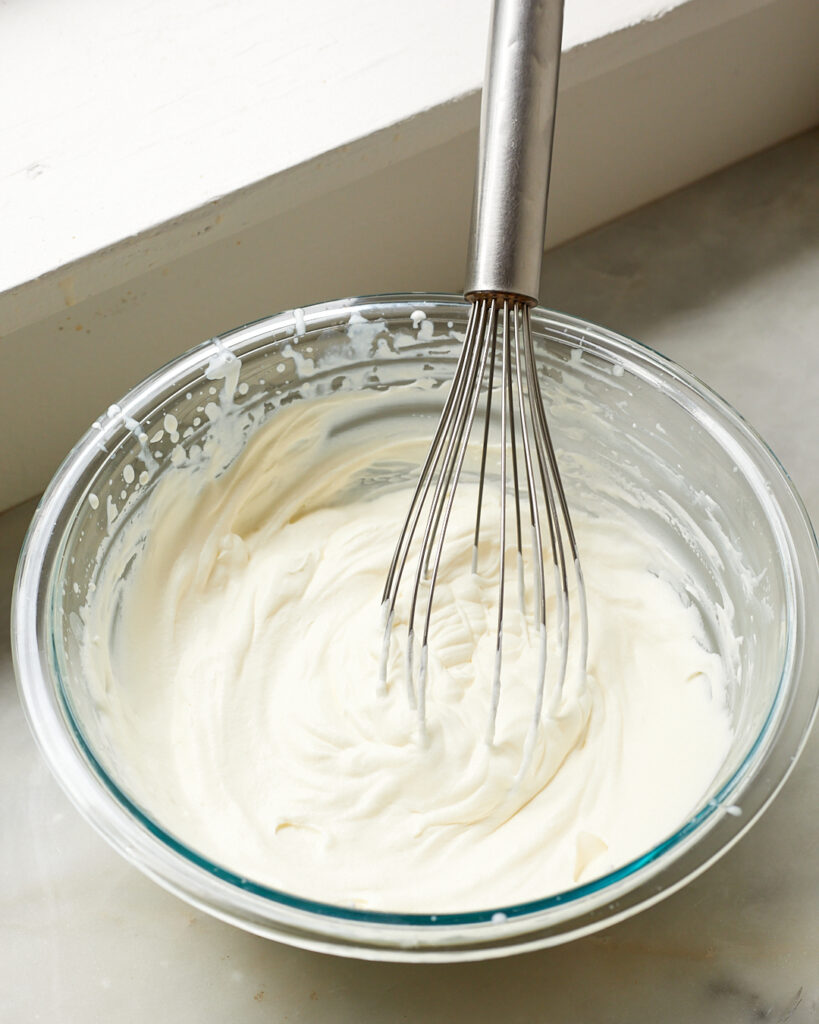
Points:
[[705, 836]]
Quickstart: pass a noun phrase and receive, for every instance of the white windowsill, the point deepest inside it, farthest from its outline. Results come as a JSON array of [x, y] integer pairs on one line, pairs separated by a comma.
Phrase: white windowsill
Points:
[[129, 116]]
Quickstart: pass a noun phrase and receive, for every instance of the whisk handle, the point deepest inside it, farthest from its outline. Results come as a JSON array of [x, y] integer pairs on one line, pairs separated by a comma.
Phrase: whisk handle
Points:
[[517, 128]]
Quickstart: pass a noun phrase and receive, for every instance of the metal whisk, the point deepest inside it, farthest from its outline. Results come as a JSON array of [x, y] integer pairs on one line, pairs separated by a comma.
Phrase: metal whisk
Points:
[[503, 275]]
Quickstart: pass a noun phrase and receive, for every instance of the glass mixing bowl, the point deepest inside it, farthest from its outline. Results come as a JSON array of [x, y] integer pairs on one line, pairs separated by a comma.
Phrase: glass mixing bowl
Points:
[[696, 473]]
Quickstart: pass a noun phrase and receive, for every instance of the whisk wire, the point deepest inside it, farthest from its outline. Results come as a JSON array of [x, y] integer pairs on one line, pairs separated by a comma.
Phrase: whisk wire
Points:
[[450, 442], [426, 475], [440, 507], [551, 482], [505, 412], [465, 416], [513, 448], [539, 572], [567, 527], [484, 449], [410, 525]]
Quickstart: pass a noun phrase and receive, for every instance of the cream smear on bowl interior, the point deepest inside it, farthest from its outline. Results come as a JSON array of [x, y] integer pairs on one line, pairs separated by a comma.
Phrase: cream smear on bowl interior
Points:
[[232, 636]]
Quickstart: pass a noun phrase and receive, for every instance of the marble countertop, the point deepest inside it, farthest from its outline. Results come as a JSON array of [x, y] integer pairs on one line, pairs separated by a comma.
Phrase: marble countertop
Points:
[[723, 277]]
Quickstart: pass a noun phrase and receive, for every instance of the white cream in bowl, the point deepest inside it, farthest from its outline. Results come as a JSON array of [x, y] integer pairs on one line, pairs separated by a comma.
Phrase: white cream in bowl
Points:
[[232, 643]]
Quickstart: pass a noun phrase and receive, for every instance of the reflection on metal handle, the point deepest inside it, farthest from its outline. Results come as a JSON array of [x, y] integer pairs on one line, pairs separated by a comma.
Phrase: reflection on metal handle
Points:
[[517, 126]]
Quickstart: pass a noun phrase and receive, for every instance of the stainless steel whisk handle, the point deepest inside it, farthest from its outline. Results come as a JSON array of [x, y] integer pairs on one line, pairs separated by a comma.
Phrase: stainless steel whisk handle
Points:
[[517, 128]]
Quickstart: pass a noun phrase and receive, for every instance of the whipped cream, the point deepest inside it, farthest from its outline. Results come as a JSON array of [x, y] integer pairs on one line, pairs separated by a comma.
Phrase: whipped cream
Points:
[[233, 644]]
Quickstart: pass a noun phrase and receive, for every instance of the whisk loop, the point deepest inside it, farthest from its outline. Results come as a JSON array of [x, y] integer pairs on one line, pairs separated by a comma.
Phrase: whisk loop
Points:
[[498, 338]]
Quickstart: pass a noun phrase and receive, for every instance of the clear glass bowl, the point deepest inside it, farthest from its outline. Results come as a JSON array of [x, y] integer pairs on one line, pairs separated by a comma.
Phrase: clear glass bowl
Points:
[[707, 482]]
